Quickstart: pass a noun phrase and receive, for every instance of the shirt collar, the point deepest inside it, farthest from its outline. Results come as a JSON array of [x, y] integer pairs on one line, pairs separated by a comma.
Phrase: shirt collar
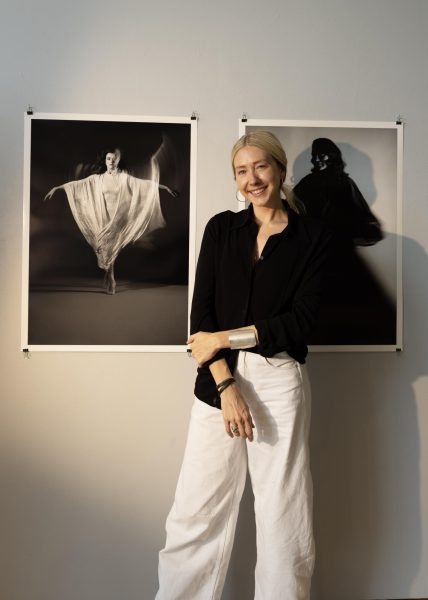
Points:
[[246, 217]]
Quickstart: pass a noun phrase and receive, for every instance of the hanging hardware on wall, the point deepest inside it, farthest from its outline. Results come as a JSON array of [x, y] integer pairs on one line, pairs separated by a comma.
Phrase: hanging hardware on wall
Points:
[[244, 118], [26, 353], [194, 116], [30, 110], [399, 120]]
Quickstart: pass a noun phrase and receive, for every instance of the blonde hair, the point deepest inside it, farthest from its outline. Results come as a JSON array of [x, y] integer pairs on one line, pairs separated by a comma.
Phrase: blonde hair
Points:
[[267, 141]]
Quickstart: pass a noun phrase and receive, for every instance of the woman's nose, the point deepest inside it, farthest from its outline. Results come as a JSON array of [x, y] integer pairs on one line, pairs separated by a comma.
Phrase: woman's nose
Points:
[[253, 176]]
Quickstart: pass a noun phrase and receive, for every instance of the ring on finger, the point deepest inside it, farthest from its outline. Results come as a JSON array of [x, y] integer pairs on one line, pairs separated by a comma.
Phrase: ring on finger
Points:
[[235, 430]]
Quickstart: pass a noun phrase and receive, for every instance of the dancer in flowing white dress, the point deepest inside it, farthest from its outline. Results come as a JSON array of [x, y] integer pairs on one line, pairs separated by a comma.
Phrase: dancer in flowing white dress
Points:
[[114, 209]]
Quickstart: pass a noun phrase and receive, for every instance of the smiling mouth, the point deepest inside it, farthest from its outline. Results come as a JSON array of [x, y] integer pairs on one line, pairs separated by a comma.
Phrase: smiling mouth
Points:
[[258, 191]]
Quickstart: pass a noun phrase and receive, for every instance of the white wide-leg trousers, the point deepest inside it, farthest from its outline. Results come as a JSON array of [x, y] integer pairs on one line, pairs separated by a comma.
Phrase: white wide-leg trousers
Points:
[[201, 524]]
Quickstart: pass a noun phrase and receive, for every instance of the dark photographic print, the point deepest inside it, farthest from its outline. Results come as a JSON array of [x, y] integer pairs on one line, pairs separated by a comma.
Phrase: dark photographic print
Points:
[[349, 175], [108, 207]]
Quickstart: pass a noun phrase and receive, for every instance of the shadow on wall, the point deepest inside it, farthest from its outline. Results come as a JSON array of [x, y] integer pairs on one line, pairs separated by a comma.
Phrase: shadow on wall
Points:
[[365, 465], [366, 459]]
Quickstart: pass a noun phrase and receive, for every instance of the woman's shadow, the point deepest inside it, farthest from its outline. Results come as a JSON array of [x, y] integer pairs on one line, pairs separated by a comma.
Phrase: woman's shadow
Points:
[[365, 448], [366, 459]]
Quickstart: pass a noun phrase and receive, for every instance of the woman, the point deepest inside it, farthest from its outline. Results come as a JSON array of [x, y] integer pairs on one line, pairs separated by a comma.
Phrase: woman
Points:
[[113, 209], [255, 300]]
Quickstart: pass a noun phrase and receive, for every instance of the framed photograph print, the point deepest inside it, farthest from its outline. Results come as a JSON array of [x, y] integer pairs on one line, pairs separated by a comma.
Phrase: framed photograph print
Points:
[[108, 244], [349, 175]]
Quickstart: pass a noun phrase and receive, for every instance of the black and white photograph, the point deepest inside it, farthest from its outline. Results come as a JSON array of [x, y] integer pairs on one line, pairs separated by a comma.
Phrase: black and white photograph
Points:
[[108, 232], [349, 176]]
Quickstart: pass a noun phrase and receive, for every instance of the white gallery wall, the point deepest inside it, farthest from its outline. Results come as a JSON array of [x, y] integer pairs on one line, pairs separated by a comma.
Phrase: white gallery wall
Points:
[[91, 443]]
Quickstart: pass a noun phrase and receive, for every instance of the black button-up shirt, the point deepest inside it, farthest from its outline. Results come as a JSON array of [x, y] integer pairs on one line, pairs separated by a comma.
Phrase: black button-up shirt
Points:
[[279, 293]]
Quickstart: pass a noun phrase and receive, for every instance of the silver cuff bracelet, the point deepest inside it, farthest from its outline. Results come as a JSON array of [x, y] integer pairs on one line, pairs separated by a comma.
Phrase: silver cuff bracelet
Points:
[[240, 339]]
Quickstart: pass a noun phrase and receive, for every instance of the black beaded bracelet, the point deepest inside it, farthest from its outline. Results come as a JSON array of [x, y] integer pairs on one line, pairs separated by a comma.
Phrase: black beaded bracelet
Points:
[[225, 384]]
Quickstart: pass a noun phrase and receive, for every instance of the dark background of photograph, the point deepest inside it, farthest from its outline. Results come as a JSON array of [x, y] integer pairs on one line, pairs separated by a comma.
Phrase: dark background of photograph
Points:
[[360, 301], [68, 303], [59, 254]]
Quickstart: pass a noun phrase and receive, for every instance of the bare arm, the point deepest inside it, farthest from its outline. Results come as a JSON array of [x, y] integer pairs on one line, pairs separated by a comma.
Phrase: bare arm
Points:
[[170, 191], [235, 409], [205, 345], [67, 183], [173, 193], [52, 192]]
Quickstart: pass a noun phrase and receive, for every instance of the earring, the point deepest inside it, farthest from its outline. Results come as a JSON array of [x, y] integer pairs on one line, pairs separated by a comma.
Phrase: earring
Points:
[[239, 196]]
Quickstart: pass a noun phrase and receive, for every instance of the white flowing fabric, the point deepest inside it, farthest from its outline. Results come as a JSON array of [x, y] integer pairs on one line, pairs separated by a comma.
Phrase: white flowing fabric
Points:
[[137, 211]]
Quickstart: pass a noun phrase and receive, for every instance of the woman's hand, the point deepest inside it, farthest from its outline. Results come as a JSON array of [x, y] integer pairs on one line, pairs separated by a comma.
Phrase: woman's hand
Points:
[[236, 414], [50, 194], [204, 345], [173, 193]]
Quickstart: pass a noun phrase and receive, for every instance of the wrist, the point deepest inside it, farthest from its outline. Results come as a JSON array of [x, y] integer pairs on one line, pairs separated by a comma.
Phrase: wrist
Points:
[[223, 385], [220, 370], [222, 339]]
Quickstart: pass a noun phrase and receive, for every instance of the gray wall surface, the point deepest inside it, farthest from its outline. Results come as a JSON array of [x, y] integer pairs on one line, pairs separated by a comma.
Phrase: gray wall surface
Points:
[[91, 444]]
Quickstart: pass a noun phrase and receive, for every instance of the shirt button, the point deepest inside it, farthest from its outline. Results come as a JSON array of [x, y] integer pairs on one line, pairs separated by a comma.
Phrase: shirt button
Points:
[[262, 257]]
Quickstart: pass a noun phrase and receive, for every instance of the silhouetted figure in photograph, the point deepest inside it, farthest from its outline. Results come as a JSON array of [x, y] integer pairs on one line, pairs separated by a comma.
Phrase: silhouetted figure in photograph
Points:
[[356, 308]]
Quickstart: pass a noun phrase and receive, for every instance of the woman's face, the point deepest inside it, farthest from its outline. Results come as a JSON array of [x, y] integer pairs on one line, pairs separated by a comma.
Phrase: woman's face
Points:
[[112, 161], [258, 177]]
